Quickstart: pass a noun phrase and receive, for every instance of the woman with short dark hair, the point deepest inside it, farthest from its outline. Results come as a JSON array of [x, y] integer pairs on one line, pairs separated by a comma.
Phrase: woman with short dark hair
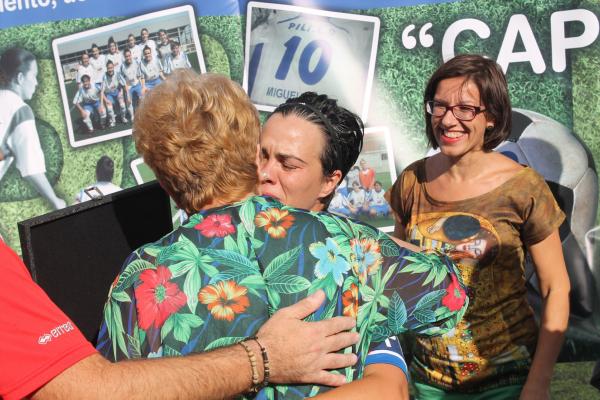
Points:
[[486, 211], [240, 257]]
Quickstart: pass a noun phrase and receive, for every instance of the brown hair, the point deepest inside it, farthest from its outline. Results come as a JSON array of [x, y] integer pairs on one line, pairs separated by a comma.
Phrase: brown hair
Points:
[[343, 131], [12, 62], [199, 133], [487, 75]]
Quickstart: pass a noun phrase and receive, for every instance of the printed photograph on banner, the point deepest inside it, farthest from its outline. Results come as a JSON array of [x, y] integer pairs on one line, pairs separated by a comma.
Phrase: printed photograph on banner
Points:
[[360, 194], [103, 185], [104, 72], [291, 50], [142, 174]]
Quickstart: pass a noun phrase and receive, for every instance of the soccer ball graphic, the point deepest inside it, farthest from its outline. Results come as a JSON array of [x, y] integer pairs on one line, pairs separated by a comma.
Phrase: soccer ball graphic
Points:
[[568, 167]]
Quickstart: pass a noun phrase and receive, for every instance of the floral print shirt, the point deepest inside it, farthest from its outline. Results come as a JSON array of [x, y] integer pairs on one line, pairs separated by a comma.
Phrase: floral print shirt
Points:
[[216, 279]]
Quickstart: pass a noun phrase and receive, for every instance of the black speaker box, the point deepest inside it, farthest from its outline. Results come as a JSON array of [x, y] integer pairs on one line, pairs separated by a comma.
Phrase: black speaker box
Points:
[[75, 253]]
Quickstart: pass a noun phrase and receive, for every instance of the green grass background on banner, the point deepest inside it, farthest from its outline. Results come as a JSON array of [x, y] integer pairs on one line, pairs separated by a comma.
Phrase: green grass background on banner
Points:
[[69, 169]]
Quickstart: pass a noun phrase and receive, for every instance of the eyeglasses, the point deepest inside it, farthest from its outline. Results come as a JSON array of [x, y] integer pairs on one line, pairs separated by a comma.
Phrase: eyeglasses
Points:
[[460, 111]]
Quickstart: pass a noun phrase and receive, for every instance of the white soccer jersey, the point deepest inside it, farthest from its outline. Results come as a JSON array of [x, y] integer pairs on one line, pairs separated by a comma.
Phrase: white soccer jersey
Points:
[[351, 177], [18, 133], [116, 58], [136, 52], [99, 65], [151, 70], [292, 53], [129, 74], [110, 83], [173, 63], [87, 96], [357, 199], [150, 43], [376, 198], [163, 50], [338, 201], [89, 71]]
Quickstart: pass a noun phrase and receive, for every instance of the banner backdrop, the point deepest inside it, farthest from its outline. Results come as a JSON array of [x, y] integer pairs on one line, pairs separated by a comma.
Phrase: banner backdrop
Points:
[[374, 56]]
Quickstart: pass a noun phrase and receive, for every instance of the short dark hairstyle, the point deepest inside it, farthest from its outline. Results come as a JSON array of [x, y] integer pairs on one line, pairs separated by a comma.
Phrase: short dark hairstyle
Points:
[[343, 131], [161, 30], [487, 75], [85, 78], [12, 62], [94, 46], [109, 62], [144, 29], [147, 48], [105, 169], [173, 43]]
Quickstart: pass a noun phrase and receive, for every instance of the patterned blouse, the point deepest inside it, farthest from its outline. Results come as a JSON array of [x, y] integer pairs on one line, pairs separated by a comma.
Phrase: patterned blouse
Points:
[[216, 279], [486, 236]]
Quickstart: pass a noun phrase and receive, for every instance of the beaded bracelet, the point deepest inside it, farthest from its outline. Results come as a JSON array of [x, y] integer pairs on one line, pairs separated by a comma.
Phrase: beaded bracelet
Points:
[[265, 357], [252, 357]]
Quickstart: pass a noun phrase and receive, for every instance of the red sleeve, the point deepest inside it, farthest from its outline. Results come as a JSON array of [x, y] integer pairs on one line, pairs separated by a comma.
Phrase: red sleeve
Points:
[[37, 340]]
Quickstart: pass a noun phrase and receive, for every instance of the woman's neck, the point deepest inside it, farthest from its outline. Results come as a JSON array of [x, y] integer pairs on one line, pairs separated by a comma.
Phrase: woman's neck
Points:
[[463, 168], [13, 88], [220, 203]]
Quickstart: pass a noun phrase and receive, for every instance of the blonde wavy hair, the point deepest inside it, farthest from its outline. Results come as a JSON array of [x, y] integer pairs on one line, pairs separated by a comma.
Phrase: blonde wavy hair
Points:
[[199, 134]]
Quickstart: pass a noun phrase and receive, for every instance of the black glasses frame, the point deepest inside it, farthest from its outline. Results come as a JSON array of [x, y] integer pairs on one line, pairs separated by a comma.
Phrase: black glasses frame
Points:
[[429, 106]]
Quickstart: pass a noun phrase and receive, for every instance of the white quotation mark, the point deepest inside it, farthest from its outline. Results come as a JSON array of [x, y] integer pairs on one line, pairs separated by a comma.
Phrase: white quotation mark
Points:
[[410, 42]]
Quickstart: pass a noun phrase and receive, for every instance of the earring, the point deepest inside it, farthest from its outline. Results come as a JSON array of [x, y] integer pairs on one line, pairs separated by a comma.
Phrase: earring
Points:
[[489, 127]]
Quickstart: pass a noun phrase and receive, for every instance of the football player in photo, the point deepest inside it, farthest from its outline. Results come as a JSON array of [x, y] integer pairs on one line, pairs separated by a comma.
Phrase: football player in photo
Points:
[[98, 63], [163, 49], [136, 51], [176, 59], [151, 71], [88, 101], [112, 92], [146, 41], [84, 69], [114, 55], [129, 76]]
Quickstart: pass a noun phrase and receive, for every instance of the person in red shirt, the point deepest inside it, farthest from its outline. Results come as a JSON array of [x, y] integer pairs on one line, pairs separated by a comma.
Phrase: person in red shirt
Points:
[[43, 355], [366, 176]]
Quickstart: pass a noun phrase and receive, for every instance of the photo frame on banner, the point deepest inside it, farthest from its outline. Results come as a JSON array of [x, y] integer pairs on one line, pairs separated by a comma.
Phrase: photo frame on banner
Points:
[[91, 119], [143, 174], [290, 50], [360, 194]]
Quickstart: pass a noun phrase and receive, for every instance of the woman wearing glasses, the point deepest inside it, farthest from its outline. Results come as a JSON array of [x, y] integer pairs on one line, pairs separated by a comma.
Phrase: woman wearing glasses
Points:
[[486, 211]]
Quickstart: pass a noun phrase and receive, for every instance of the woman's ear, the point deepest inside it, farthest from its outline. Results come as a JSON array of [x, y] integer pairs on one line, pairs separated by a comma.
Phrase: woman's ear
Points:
[[257, 160], [20, 78], [330, 182]]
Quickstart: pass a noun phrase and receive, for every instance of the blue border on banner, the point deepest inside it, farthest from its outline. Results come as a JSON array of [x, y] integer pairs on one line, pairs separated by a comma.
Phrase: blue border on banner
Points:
[[26, 12], [22, 12], [344, 5]]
